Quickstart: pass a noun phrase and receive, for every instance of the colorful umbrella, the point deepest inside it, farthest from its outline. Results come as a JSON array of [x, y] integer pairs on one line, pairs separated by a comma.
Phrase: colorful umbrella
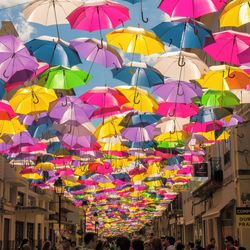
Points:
[[6, 111], [224, 77], [184, 33], [215, 98], [138, 74], [53, 51], [97, 51], [190, 8], [228, 46], [98, 15], [16, 63], [71, 110], [135, 40], [32, 100], [235, 13], [60, 77], [181, 65], [178, 91]]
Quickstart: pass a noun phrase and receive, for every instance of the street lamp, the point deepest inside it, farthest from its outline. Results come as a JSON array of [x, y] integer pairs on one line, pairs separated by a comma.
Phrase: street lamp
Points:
[[59, 189], [85, 208]]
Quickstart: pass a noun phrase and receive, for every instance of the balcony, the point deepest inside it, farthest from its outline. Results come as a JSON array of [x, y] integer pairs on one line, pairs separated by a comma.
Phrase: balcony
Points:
[[31, 209], [214, 182]]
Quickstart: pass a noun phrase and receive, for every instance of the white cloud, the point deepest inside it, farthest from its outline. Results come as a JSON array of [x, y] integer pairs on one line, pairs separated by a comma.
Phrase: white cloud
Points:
[[11, 3], [24, 29], [124, 57], [151, 60]]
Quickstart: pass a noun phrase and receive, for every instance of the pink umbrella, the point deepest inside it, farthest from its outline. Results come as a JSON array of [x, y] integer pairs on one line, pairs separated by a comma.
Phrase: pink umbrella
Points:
[[98, 15], [177, 109], [230, 47], [190, 8], [202, 127]]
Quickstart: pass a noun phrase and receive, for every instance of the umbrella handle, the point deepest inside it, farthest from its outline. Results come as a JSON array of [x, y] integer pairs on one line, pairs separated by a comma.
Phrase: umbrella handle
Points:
[[100, 46], [181, 61], [170, 42], [4, 74], [135, 97], [87, 77], [35, 98], [145, 20], [65, 104], [178, 91], [172, 114], [70, 129], [229, 74], [131, 70]]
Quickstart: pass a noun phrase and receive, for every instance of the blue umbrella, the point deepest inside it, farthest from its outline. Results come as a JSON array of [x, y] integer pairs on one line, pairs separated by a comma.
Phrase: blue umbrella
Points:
[[134, 119], [211, 114], [2, 89], [176, 160], [53, 51], [138, 74], [187, 34]]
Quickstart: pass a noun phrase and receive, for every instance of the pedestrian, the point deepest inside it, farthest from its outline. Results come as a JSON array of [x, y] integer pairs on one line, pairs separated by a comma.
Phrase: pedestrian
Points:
[[156, 244], [198, 245], [164, 242], [90, 241], [170, 243], [65, 244], [137, 244], [99, 245], [123, 243], [229, 243], [25, 245], [190, 245], [211, 245], [180, 246], [147, 245], [47, 246]]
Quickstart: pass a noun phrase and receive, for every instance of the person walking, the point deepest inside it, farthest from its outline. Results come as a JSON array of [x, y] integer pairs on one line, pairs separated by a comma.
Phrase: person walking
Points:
[[123, 243], [156, 244], [211, 245], [170, 243], [198, 245], [190, 245], [137, 244], [90, 241], [229, 243], [180, 246], [47, 246], [25, 245]]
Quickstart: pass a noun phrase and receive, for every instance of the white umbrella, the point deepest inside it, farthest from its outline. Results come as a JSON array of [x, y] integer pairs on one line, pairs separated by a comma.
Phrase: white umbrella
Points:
[[243, 95], [50, 12], [182, 65], [167, 125]]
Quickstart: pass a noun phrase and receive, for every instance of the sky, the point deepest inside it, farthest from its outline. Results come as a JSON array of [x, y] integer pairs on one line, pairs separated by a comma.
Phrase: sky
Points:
[[100, 75]]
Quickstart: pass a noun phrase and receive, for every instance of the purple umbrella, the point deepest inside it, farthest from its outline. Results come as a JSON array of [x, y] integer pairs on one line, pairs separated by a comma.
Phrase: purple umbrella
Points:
[[75, 142], [139, 134], [16, 63], [178, 91], [71, 110], [23, 139]]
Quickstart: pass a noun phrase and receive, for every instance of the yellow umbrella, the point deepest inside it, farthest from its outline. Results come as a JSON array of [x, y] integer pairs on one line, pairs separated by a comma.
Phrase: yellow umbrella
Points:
[[111, 127], [235, 13], [33, 176], [81, 170], [32, 100], [112, 147], [169, 173], [224, 77], [139, 99], [121, 162], [172, 137], [211, 135], [45, 166], [135, 40], [11, 127]]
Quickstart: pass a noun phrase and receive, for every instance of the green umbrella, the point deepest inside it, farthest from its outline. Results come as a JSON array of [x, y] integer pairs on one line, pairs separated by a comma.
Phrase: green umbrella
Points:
[[60, 77], [217, 98]]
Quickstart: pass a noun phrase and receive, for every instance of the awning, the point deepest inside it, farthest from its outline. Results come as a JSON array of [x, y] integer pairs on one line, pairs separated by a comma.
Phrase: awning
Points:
[[215, 211]]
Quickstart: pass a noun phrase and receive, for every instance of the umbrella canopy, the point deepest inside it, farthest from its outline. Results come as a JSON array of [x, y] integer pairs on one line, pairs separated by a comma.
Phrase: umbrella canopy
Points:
[[135, 40], [97, 51], [224, 77], [178, 91], [49, 12], [98, 15], [32, 100], [139, 99], [10, 127], [71, 109], [53, 51], [184, 33], [235, 13], [181, 65], [60, 77], [6, 111], [104, 97], [138, 74], [228, 46], [190, 8], [215, 98], [16, 63]]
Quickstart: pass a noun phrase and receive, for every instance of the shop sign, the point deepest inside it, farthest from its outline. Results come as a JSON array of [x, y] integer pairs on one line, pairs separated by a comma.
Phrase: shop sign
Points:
[[243, 217], [201, 170]]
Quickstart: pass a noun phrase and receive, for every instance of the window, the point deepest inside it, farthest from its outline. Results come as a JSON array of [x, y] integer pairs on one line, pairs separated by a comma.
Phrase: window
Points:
[[31, 201], [20, 199]]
